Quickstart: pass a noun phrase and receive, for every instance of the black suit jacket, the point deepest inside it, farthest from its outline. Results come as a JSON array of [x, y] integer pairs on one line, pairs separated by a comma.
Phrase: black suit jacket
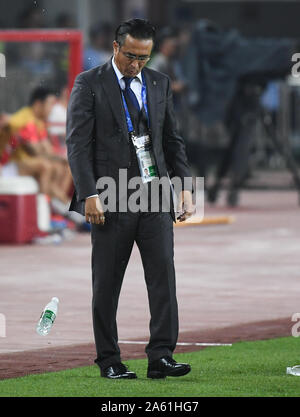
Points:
[[97, 135]]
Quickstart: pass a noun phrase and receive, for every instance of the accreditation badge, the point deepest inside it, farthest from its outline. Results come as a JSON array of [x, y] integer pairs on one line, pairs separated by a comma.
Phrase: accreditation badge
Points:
[[145, 157]]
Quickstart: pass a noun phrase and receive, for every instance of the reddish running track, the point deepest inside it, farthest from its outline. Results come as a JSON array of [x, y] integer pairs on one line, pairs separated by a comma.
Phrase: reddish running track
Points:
[[227, 275]]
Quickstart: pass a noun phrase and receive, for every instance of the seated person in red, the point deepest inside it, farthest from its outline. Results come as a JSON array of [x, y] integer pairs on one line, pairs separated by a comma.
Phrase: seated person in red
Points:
[[29, 148]]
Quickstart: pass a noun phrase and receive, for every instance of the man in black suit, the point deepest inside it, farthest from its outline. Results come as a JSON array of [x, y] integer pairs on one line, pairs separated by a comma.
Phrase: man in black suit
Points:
[[113, 110]]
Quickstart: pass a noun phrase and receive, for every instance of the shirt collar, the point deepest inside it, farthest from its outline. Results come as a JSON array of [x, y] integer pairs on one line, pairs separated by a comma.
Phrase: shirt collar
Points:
[[120, 75]]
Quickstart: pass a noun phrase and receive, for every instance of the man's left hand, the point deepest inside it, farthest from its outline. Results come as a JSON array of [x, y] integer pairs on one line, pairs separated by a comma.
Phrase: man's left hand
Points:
[[185, 205]]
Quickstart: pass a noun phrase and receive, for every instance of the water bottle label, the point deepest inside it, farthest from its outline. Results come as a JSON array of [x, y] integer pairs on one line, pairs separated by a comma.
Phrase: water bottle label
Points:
[[49, 315]]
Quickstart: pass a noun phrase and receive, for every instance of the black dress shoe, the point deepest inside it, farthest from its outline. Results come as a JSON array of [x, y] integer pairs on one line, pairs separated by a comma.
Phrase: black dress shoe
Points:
[[117, 371], [167, 366], [232, 198], [212, 194]]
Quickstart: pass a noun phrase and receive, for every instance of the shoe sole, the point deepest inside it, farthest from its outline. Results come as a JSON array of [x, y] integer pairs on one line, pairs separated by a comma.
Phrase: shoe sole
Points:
[[160, 375], [119, 377]]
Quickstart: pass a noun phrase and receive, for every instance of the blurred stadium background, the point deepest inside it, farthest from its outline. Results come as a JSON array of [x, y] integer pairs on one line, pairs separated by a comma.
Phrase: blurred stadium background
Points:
[[237, 104]]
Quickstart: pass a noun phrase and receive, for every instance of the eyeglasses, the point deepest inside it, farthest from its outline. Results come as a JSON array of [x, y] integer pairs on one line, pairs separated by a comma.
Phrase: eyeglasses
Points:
[[132, 57]]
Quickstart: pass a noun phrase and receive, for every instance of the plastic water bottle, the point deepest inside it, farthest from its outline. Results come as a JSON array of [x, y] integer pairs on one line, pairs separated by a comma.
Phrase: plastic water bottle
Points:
[[47, 317], [294, 370]]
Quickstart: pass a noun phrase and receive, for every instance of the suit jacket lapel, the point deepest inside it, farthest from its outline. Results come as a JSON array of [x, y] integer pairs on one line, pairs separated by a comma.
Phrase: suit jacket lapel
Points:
[[151, 100], [111, 87]]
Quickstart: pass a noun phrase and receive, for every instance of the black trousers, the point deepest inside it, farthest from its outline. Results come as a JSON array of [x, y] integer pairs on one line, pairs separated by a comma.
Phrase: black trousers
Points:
[[111, 248]]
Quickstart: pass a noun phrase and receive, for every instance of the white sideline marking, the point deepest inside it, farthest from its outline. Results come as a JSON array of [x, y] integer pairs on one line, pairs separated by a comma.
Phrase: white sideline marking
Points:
[[134, 342]]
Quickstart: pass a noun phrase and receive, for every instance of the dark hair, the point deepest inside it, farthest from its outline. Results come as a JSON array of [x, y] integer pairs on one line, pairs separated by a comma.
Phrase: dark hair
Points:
[[39, 94], [137, 28]]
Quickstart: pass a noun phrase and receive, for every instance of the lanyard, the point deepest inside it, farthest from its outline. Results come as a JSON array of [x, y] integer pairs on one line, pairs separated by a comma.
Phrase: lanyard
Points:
[[144, 101]]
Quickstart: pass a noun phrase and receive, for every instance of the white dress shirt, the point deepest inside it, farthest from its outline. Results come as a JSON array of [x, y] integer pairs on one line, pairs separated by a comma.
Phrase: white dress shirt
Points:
[[135, 85]]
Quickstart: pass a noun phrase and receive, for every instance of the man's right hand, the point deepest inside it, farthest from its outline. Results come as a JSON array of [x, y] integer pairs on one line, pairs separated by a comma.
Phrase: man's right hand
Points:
[[93, 211]]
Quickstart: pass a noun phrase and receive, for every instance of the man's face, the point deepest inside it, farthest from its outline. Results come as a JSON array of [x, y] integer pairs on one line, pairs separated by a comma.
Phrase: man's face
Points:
[[169, 47], [127, 54], [47, 105], [43, 108]]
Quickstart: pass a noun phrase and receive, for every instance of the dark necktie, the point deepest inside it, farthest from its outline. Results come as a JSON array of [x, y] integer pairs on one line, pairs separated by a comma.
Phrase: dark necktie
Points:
[[129, 94]]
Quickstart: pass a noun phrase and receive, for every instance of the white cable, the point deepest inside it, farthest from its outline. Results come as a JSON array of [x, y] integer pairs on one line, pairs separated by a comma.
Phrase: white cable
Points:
[[135, 342]]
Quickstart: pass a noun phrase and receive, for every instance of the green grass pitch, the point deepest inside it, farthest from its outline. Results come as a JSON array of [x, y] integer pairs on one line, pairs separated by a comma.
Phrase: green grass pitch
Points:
[[256, 369]]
